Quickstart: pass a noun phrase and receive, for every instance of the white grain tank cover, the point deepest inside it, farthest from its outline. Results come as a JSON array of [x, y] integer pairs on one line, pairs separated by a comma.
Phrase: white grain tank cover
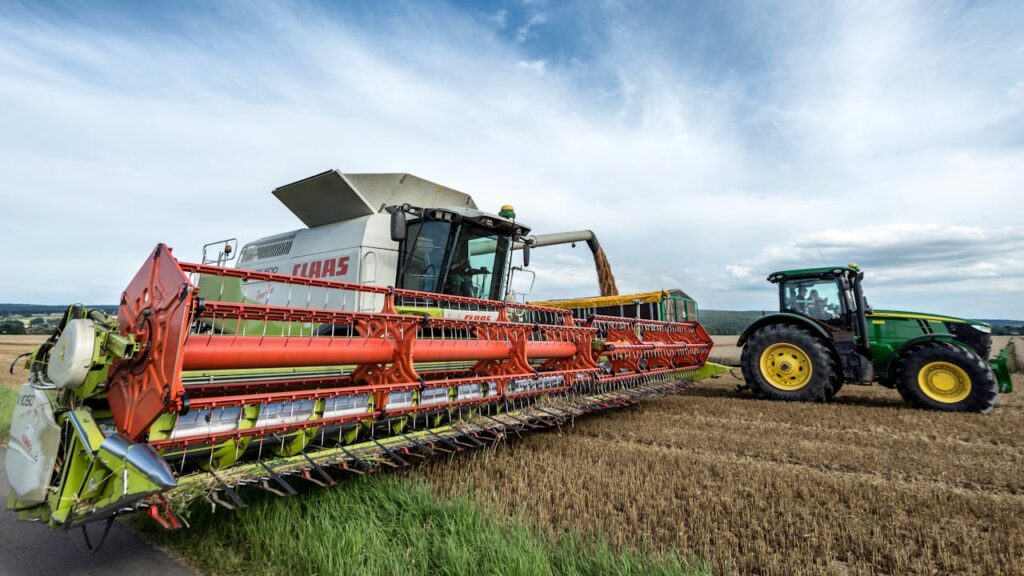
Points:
[[332, 196]]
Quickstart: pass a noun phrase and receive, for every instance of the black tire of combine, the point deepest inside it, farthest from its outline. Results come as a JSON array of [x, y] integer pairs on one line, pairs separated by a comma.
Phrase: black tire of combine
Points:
[[984, 387], [824, 382]]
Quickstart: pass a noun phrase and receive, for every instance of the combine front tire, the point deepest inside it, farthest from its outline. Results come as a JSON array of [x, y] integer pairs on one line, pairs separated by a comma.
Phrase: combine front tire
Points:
[[785, 362], [943, 376]]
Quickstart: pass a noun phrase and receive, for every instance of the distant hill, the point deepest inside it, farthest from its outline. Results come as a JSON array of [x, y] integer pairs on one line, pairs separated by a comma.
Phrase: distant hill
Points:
[[1005, 327], [728, 322]]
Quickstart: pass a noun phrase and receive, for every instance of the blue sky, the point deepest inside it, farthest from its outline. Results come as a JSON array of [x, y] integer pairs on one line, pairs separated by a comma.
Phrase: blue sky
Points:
[[707, 143]]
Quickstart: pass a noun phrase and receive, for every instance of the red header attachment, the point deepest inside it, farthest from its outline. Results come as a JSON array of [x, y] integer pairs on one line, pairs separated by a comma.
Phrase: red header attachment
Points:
[[155, 308]]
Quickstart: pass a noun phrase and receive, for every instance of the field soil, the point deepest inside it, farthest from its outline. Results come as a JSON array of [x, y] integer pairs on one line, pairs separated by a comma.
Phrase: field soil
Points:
[[863, 485], [10, 348]]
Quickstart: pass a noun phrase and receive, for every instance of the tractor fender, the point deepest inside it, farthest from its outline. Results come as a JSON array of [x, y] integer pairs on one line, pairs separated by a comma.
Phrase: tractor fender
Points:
[[796, 320], [783, 318], [897, 354]]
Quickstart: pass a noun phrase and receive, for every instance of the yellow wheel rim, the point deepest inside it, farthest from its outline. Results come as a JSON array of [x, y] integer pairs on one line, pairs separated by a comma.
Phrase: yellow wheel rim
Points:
[[944, 382], [786, 366]]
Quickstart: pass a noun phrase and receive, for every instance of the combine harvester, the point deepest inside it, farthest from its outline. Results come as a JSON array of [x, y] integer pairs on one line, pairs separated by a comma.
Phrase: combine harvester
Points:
[[382, 333]]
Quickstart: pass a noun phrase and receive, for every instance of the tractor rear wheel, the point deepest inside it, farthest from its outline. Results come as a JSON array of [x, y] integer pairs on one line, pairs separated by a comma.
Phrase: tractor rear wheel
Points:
[[943, 376], [786, 362]]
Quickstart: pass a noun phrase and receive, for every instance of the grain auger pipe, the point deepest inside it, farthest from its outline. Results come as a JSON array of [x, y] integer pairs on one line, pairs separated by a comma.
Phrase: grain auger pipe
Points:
[[605, 278]]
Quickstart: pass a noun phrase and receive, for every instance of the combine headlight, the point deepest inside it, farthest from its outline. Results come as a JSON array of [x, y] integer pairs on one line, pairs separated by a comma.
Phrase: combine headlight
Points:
[[982, 328]]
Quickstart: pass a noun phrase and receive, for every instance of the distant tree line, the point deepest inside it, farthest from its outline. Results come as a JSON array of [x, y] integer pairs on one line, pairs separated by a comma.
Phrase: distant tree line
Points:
[[1007, 327], [11, 327], [7, 309], [728, 322]]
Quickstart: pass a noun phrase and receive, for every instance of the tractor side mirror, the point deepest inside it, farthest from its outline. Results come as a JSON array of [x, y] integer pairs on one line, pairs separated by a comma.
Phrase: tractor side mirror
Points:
[[526, 254], [398, 225]]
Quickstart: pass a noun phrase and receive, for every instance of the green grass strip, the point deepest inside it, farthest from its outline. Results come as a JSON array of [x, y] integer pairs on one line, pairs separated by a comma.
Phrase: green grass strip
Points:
[[7, 399], [391, 525]]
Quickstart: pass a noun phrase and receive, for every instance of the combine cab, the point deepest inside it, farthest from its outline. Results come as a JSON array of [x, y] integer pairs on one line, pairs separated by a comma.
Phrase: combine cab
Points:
[[380, 334]]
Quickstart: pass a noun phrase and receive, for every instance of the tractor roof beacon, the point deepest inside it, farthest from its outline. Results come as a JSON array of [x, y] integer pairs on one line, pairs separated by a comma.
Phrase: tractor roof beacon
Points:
[[826, 335]]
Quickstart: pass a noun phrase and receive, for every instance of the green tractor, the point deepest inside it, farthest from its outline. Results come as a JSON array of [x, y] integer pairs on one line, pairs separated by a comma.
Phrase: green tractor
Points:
[[826, 335]]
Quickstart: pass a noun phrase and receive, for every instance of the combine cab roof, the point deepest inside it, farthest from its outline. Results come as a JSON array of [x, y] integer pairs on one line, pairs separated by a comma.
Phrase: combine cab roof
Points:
[[331, 196]]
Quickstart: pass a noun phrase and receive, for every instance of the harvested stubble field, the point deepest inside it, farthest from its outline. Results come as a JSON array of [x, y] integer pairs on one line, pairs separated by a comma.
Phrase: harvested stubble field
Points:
[[860, 486], [10, 348]]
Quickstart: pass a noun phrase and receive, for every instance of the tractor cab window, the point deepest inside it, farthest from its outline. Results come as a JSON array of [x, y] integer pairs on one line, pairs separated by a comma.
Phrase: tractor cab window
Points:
[[477, 264], [814, 297]]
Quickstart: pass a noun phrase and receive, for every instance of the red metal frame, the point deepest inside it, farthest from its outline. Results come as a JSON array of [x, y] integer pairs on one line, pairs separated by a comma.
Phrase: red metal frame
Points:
[[386, 350], [155, 308]]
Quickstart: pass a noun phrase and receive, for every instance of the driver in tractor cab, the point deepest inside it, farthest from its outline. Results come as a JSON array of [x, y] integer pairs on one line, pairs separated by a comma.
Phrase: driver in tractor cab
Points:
[[816, 307], [802, 302]]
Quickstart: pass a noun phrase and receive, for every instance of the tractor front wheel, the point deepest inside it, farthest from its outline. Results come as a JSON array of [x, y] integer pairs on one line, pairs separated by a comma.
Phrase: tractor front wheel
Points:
[[786, 362], [943, 376]]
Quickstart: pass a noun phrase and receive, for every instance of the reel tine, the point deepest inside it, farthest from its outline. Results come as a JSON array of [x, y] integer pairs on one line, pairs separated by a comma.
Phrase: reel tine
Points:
[[473, 442], [236, 502], [286, 488], [502, 425], [352, 457], [320, 470], [230, 504], [427, 444], [445, 441], [401, 461]]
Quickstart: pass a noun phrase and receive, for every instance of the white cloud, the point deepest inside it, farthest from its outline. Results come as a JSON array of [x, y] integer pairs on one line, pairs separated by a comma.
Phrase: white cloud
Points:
[[537, 66], [738, 272], [526, 31], [118, 136], [911, 263]]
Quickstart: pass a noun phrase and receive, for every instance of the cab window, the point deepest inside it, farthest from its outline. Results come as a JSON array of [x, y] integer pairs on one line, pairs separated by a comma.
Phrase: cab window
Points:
[[424, 255], [477, 263], [814, 297]]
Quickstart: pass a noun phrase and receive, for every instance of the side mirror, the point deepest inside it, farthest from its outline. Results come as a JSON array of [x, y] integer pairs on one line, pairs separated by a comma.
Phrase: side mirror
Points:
[[398, 225], [526, 254]]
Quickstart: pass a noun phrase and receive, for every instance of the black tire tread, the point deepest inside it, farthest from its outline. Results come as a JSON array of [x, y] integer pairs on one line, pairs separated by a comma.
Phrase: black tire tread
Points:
[[824, 383], [984, 387]]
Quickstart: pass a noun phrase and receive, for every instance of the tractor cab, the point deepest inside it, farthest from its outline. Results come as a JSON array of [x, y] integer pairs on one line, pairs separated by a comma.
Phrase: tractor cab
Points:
[[831, 296], [833, 299]]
